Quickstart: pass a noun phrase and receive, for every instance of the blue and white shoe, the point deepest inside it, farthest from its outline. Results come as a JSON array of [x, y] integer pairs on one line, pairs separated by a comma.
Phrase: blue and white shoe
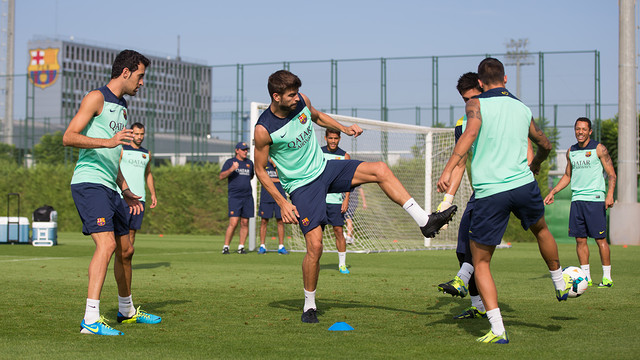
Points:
[[262, 250], [140, 317], [343, 269], [99, 327], [283, 251]]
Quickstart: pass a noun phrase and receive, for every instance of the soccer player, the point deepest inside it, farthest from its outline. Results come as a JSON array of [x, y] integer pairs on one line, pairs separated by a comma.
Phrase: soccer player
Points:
[[268, 209], [285, 132], [354, 196], [497, 127], [98, 129], [239, 172], [337, 203], [588, 214]]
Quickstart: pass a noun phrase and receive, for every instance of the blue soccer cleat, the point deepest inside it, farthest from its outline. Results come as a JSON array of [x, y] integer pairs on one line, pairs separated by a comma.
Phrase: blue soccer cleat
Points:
[[283, 251], [343, 269], [606, 283], [562, 295], [99, 327], [262, 250], [491, 338], [140, 317]]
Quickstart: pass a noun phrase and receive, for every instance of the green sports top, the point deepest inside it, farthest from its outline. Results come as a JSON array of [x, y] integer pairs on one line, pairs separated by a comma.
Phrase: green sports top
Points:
[[133, 166], [499, 160], [100, 166], [339, 154], [294, 148], [587, 179]]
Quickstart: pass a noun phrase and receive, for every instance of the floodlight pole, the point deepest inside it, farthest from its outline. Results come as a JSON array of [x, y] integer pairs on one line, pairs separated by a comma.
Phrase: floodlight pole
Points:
[[624, 224]]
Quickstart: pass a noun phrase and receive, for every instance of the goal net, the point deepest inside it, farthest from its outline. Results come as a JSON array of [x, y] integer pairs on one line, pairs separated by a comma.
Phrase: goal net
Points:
[[416, 155]]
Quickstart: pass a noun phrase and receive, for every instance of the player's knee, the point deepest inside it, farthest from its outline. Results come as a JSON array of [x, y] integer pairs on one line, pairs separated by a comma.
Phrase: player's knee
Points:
[[382, 171], [127, 254], [315, 250]]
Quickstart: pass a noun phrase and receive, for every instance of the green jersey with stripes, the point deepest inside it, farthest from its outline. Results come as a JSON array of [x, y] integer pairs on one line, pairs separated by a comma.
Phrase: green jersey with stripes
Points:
[[499, 160], [587, 173], [100, 166], [339, 154], [294, 147], [133, 166]]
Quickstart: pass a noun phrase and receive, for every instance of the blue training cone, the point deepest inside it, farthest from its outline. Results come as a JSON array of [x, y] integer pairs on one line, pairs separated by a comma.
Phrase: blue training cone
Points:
[[340, 326]]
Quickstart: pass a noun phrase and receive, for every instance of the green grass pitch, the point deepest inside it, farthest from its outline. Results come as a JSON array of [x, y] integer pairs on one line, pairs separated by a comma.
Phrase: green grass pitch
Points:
[[249, 306]]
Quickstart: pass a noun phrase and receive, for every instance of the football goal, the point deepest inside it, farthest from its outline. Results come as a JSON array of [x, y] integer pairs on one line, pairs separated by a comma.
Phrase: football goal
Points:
[[416, 155]]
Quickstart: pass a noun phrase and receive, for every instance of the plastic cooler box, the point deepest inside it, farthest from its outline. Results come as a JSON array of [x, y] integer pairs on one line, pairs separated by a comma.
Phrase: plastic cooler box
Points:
[[22, 224], [44, 233]]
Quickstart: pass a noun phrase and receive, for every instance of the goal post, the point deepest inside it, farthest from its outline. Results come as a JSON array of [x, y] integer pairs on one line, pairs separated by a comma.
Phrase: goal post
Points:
[[416, 155]]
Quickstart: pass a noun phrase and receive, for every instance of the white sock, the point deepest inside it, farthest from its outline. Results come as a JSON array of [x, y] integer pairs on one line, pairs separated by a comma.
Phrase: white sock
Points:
[[495, 319], [240, 247], [417, 213], [586, 270], [92, 311], [466, 270], [606, 272], [342, 259], [262, 246], [125, 306], [476, 301], [280, 246], [309, 300], [558, 281], [225, 247]]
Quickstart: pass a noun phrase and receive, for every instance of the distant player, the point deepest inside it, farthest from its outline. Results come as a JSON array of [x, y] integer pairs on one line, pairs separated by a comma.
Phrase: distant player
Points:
[[269, 209], [285, 132], [497, 126], [238, 171], [337, 203], [98, 129], [588, 215]]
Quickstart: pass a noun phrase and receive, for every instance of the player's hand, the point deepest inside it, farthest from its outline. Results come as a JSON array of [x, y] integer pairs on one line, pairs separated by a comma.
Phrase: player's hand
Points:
[[608, 202], [344, 207], [444, 181], [135, 206], [534, 167], [154, 201], [353, 130], [289, 213], [548, 200], [364, 206], [235, 165], [122, 137]]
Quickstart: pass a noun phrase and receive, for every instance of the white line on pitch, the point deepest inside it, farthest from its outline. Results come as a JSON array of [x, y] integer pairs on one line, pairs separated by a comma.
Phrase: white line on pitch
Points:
[[140, 255]]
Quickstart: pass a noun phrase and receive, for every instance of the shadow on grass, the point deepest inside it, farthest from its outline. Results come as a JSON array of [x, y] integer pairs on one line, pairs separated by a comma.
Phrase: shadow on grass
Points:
[[151, 265], [295, 305]]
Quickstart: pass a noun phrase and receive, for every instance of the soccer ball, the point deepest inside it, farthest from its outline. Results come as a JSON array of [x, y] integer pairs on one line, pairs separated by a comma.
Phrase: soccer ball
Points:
[[578, 280]]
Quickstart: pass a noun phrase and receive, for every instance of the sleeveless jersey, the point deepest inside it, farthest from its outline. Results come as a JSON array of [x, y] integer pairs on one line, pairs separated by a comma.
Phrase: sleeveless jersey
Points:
[[100, 166], [499, 160], [294, 148], [587, 179], [339, 154], [264, 194], [133, 166]]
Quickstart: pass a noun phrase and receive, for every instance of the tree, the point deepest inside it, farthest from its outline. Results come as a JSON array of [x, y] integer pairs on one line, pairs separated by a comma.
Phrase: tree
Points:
[[9, 153], [51, 151]]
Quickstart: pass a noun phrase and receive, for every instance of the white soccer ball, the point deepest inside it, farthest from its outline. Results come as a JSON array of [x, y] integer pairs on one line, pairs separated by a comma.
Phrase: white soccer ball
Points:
[[578, 280]]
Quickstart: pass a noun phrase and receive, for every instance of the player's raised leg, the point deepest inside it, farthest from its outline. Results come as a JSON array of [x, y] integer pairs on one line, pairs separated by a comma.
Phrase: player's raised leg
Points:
[[379, 172]]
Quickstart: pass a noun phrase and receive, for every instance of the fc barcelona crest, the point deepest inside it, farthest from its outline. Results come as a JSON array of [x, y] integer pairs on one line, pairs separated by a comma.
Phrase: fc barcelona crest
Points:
[[303, 118], [43, 67], [588, 154]]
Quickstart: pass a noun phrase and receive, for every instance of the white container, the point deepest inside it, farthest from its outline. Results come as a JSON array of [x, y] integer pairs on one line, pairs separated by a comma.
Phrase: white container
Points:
[[18, 225], [44, 233]]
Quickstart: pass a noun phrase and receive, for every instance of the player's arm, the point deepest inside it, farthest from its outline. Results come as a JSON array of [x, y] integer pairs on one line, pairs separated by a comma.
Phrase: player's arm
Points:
[[328, 122], [474, 122], [150, 183], [345, 201], [564, 181], [261, 153], [135, 206], [544, 146], [530, 153], [607, 164], [91, 106], [225, 173]]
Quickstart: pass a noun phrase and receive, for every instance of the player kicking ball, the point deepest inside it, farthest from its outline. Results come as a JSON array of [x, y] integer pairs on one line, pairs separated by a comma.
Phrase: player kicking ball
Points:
[[285, 132]]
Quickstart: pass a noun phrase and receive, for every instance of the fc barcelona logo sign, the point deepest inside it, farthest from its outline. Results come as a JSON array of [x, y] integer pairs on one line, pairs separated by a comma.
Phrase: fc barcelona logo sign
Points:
[[43, 67], [303, 118], [588, 154]]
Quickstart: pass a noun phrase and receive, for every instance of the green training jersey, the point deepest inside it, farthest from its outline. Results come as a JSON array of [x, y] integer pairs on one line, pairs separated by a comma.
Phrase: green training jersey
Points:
[[587, 173], [133, 166], [100, 166], [339, 154]]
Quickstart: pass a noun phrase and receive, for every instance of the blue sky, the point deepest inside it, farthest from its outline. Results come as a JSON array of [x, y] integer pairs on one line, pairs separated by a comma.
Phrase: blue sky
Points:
[[229, 32]]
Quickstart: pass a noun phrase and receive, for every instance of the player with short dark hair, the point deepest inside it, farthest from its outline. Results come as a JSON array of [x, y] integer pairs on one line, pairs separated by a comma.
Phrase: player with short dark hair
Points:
[[238, 171], [337, 203], [99, 129], [589, 203], [285, 133], [498, 125]]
